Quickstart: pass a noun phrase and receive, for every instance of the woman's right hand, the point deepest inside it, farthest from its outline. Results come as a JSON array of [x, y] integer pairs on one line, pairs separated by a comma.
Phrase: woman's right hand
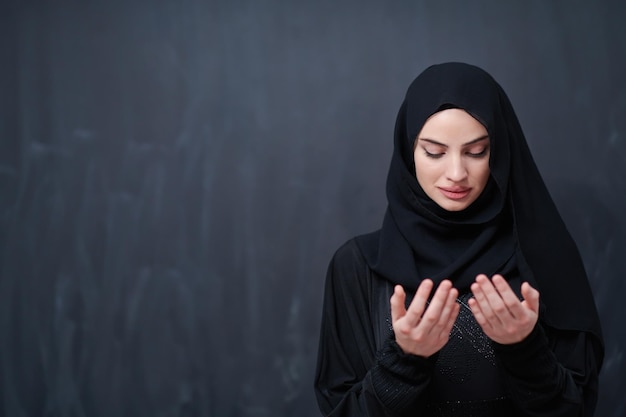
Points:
[[424, 328]]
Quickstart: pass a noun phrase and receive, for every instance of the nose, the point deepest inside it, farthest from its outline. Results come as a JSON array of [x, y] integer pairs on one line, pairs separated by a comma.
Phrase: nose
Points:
[[456, 170]]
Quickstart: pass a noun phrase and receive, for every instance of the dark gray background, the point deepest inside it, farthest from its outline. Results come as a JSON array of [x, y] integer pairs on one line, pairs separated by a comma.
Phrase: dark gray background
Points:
[[175, 175]]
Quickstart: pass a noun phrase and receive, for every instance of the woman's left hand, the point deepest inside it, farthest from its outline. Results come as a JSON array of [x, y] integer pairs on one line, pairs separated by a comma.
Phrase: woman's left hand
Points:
[[502, 316]]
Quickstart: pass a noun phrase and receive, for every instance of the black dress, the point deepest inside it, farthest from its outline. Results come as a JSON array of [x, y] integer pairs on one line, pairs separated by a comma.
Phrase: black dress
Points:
[[362, 372]]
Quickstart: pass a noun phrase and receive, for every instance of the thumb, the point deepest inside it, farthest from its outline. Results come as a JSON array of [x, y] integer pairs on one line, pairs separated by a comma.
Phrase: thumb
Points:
[[398, 309], [531, 297]]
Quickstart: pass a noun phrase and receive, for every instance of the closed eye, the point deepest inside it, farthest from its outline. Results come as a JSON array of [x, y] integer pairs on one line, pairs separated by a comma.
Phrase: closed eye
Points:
[[479, 154], [433, 155]]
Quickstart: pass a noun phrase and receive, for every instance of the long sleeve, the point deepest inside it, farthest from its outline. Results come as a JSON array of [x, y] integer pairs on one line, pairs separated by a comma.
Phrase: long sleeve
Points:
[[555, 375], [362, 372], [356, 375]]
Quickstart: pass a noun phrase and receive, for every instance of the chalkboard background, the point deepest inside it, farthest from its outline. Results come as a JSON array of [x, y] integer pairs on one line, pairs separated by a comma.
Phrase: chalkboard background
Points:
[[175, 175]]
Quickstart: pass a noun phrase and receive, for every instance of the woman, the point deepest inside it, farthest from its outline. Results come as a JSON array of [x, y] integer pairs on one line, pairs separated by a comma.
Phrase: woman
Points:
[[472, 299]]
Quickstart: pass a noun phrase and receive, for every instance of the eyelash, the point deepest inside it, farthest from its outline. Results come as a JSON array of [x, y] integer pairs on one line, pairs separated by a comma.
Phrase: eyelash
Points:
[[479, 154], [433, 155], [471, 155]]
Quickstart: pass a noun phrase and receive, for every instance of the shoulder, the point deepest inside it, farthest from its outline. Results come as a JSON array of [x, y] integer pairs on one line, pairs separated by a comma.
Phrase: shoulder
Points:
[[354, 252], [346, 260], [348, 268]]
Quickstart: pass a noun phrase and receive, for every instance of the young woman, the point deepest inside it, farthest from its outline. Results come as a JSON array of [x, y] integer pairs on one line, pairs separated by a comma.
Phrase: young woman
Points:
[[472, 299]]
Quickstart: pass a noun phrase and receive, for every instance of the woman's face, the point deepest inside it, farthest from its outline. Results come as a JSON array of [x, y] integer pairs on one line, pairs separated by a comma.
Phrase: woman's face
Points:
[[452, 158]]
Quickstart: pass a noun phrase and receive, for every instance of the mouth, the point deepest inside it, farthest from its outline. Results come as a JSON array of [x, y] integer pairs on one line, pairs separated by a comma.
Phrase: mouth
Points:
[[455, 193]]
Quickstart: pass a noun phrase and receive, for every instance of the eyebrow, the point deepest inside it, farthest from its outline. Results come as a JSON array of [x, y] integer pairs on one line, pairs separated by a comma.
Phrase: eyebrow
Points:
[[471, 142]]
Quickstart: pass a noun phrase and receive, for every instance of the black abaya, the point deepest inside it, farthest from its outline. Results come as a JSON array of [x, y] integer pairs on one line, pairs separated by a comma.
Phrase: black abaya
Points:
[[362, 372]]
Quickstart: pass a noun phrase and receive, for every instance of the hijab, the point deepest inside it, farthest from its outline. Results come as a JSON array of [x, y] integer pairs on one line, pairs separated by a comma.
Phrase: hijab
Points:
[[513, 228]]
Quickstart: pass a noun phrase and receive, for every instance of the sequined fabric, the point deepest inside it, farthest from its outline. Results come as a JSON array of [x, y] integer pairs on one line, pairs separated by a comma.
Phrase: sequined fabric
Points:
[[499, 407], [466, 380]]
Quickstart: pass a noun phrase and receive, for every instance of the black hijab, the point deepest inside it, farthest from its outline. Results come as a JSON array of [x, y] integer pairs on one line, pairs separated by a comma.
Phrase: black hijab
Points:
[[513, 228]]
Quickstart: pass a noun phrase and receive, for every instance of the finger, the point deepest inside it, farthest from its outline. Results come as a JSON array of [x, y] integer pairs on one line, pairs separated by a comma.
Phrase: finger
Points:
[[491, 293], [449, 306], [433, 314], [447, 327], [497, 307], [398, 310], [418, 305], [480, 304], [502, 286], [477, 289], [440, 297], [508, 296], [478, 314], [531, 297]]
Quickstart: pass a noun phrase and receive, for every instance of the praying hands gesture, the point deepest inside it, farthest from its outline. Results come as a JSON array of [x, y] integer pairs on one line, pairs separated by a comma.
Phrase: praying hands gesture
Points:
[[424, 327], [498, 311]]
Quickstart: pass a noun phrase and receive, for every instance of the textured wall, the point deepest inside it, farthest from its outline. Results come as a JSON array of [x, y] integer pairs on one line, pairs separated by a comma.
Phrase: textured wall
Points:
[[175, 175]]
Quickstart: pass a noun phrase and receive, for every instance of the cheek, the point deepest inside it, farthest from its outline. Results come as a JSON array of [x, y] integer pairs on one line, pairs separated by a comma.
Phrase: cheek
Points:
[[482, 173], [426, 172]]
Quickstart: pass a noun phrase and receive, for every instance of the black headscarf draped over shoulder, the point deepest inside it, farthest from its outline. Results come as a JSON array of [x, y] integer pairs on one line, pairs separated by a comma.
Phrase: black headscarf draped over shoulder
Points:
[[513, 228]]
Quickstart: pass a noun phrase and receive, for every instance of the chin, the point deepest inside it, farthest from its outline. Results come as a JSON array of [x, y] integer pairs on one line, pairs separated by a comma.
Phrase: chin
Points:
[[453, 206]]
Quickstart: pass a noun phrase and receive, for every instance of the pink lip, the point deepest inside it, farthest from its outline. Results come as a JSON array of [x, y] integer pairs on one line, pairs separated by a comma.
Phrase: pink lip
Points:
[[455, 193]]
